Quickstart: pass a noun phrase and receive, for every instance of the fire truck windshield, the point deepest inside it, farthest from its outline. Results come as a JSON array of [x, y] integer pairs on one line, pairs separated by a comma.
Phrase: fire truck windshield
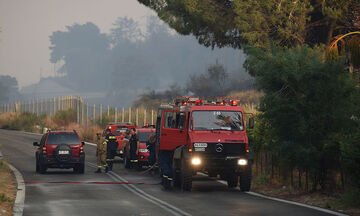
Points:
[[217, 120]]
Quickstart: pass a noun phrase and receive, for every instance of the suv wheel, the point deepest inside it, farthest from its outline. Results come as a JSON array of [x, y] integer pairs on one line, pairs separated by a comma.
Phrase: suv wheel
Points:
[[80, 168], [42, 168], [245, 179], [37, 165]]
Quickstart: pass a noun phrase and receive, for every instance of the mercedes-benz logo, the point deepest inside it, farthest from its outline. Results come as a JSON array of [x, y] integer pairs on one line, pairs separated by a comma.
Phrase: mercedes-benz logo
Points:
[[219, 147]]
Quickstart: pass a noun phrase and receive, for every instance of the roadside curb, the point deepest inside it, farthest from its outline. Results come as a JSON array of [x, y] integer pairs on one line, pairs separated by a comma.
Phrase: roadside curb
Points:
[[20, 194]]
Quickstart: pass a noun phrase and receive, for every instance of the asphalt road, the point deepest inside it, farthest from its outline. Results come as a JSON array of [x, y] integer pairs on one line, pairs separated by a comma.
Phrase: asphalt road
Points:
[[208, 197]]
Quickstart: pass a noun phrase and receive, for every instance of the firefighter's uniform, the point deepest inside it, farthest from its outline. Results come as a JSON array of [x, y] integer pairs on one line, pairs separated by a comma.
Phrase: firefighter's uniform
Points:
[[101, 153], [165, 161], [133, 142], [111, 147]]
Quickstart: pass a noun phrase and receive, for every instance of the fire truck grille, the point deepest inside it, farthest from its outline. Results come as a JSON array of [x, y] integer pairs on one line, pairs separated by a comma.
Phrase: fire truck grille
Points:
[[225, 149]]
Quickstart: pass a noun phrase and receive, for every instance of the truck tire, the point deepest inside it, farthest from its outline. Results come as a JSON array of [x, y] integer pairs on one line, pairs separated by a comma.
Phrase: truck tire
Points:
[[126, 161], [245, 179], [186, 176], [176, 174], [232, 180]]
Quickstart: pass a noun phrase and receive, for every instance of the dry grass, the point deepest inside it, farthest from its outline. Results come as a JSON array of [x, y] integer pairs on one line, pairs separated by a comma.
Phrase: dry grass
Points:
[[7, 190]]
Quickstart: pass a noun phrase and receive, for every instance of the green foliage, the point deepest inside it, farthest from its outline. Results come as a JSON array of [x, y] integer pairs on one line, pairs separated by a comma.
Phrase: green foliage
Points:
[[255, 22], [350, 147], [349, 199], [261, 180], [307, 103], [65, 117]]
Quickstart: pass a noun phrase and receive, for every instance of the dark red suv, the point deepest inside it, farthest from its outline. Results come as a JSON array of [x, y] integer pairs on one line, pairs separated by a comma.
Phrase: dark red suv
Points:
[[60, 149]]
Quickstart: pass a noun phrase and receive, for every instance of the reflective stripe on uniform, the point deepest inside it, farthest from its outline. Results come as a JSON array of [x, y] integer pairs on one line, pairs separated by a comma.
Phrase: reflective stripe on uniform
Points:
[[134, 161], [167, 177], [112, 137]]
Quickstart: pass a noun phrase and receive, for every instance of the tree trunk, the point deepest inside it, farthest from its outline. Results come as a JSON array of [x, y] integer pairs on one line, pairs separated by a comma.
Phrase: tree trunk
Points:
[[300, 184], [307, 180], [292, 177], [272, 166]]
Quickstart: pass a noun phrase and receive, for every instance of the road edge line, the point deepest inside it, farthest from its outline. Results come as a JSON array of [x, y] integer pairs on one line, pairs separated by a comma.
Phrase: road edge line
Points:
[[285, 201], [20, 194], [298, 204]]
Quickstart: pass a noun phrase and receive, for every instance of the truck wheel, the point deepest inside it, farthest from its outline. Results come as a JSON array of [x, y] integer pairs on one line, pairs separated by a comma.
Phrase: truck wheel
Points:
[[127, 163], [185, 176], [176, 174], [42, 168], [245, 179], [232, 181]]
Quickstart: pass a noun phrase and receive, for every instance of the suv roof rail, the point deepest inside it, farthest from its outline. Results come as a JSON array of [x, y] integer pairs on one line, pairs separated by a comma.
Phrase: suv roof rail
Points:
[[126, 123]]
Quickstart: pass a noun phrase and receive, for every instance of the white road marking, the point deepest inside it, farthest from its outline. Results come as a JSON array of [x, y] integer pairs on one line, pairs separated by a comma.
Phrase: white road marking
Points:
[[91, 144], [162, 204], [20, 194]]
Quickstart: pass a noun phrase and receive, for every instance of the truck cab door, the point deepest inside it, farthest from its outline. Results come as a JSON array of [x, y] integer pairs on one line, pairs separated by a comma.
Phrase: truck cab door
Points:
[[173, 130]]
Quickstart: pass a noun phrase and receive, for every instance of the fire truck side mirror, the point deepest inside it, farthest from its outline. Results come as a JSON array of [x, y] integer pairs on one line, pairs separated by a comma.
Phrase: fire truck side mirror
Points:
[[251, 122]]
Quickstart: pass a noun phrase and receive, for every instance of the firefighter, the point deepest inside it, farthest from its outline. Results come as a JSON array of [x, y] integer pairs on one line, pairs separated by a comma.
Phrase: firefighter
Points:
[[165, 161], [101, 152], [112, 145], [134, 148]]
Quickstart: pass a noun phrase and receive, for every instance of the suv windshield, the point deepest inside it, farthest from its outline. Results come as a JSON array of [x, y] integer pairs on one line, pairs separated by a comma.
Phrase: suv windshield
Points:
[[62, 138], [217, 120], [144, 136]]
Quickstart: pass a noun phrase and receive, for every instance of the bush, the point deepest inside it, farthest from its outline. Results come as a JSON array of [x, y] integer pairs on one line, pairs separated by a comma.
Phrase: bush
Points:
[[4, 198], [25, 121], [65, 117], [307, 102]]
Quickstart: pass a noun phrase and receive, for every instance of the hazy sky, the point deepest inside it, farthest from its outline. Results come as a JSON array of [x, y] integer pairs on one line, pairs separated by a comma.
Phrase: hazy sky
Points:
[[27, 24]]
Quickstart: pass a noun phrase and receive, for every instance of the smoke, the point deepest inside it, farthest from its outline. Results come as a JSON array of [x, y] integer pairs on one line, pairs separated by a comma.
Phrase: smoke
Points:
[[130, 59]]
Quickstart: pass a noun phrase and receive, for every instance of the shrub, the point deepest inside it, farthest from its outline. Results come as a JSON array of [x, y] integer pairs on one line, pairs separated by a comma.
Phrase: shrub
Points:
[[65, 117]]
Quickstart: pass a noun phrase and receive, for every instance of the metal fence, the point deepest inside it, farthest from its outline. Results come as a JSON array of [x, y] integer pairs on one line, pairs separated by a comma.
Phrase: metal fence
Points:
[[86, 114]]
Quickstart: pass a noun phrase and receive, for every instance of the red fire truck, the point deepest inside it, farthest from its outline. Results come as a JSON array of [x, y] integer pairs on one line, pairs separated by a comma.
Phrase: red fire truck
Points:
[[119, 130], [205, 136]]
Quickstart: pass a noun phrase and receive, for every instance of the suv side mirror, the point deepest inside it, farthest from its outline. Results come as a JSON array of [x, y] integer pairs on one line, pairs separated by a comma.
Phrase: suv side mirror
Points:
[[251, 122], [83, 143], [36, 144]]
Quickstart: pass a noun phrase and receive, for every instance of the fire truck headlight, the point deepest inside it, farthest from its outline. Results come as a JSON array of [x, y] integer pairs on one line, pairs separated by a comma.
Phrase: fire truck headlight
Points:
[[242, 162], [195, 161]]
